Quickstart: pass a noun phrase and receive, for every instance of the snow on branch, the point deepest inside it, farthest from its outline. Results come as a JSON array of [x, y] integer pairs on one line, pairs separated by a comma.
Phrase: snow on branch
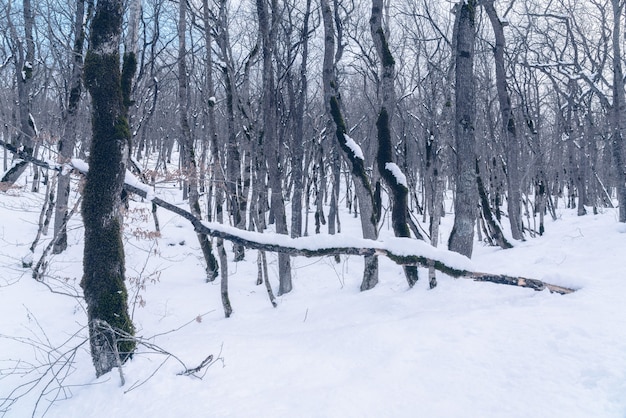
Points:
[[354, 147], [403, 251]]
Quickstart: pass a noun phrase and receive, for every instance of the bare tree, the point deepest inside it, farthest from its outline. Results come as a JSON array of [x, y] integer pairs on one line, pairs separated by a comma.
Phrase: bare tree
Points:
[[352, 153], [465, 201], [187, 143], [297, 155], [272, 143], [509, 131], [24, 59], [618, 116], [218, 171], [389, 170], [67, 142]]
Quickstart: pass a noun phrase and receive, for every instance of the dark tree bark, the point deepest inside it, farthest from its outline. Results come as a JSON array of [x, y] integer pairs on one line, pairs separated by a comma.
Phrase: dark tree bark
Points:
[[103, 263], [370, 211], [493, 229], [389, 171], [462, 235]]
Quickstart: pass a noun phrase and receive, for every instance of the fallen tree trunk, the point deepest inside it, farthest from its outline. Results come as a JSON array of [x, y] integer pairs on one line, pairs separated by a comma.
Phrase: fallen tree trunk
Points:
[[403, 251]]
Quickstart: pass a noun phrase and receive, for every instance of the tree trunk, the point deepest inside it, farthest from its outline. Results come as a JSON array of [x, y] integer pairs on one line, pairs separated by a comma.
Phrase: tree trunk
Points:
[[462, 236], [435, 190], [493, 231], [370, 212], [509, 132], [24, 66], [103, 263], [390, 171], [271, 141], [187, 145], [618, 116], [297, 155], [67, 142]]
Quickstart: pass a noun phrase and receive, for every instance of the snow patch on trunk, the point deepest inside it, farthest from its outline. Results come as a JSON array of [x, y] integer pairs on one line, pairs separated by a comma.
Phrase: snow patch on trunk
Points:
[[397, 173], [354, 147]]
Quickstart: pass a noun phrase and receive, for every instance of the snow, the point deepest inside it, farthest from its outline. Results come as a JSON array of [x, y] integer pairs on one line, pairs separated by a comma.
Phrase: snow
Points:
[[354, 147], [397, 173], [27, 260], [328, 350], [14, 163], [80, 165], [31, 120], [132, 180], [398, 246]]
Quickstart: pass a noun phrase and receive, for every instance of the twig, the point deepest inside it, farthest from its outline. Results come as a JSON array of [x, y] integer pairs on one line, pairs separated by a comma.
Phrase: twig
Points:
[[37, 275], [201, 366], [183, 325]]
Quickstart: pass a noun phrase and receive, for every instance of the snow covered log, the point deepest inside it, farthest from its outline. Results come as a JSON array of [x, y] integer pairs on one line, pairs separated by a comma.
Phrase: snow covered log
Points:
[[403, 251]]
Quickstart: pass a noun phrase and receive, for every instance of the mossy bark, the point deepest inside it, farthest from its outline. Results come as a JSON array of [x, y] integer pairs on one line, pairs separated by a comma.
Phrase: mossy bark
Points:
[[103, 264]]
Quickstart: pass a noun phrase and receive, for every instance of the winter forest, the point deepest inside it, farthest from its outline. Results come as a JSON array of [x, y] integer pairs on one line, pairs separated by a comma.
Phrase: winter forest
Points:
[[313, 208]]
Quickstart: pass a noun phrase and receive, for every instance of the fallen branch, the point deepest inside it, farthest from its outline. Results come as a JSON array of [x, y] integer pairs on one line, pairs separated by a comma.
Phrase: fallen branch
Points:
[[195, 370], [403, 251]]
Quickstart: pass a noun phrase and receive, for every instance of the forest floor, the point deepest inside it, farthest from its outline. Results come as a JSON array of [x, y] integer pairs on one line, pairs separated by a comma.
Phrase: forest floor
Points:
[[464, 349]]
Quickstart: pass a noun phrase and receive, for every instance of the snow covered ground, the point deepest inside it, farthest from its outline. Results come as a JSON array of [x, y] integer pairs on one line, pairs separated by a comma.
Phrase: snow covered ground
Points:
[[465, 349]]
